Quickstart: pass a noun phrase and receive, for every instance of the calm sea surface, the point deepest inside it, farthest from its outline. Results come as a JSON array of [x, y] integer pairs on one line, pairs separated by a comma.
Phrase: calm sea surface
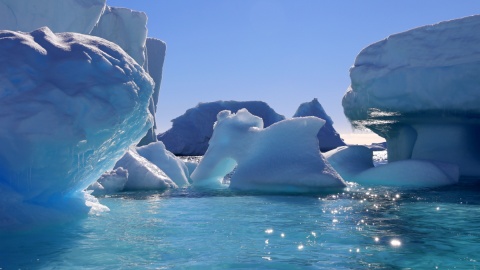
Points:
[[361, 228]]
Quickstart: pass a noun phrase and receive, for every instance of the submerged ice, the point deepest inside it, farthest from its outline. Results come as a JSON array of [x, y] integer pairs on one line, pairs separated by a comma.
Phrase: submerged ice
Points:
[[71, 105], [419, 90], [283, 157]]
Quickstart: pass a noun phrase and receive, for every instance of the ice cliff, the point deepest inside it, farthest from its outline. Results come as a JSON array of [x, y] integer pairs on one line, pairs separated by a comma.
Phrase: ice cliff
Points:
[[419, 90], [191, 131], [71, 105]]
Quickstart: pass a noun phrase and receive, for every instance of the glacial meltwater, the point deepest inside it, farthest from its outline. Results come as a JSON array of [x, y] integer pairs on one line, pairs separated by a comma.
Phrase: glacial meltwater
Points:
[[360, 228]]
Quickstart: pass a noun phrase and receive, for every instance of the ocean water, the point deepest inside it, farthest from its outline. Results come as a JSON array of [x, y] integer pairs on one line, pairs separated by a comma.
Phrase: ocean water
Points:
[[360, 228]]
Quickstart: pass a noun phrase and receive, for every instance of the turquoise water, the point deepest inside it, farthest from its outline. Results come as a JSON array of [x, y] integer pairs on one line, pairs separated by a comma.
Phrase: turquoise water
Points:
[[379, 228]]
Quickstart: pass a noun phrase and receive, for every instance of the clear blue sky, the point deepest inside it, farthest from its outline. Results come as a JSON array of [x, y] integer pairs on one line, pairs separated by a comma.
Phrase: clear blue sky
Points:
[[283, 52]]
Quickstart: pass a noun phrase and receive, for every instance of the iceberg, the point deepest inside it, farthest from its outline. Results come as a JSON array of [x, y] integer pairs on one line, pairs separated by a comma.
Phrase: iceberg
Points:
[[283, 157], [79, 16], [191, 131], [172, 166], [355, 164], [126, 28], [142, 174], [71, 104], [419, 90], [155, 51], [328, 137]]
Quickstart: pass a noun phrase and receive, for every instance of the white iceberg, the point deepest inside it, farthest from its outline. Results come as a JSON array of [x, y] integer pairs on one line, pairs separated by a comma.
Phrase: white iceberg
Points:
[[166, 161], [191, 131], [281, 158], [419, 90], [71, 106], [142, 174], [354, 163], [328, 137]]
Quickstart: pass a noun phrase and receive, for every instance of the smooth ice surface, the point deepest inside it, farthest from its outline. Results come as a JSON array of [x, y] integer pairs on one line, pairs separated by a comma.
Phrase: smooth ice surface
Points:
[[126, 28], [155, 52], [191, 131], [173, 167], [419, 90], [349, 161], [71, 105], [328, 137], [281, 158], [355, 164], [78, 16], [410, 173]]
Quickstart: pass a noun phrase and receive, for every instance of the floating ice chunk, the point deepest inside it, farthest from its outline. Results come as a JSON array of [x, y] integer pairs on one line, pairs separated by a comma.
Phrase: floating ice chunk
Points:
[[176, 170], [142, 174], [328, 137], [410, 173], [191, 131], [419, 90], [281, 158], [78, 16], [110, 182], [349, 161], [354, 163], [71, 105]]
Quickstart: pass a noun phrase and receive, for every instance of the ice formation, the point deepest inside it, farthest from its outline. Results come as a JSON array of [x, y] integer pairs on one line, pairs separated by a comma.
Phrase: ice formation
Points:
[[142, 174], [149, 167], [130, 30], [354, 163], [191, 132], [79, 16], [166, 161], [71, 105], [328, 137], [419, 90], [155, 49], [281, 158]]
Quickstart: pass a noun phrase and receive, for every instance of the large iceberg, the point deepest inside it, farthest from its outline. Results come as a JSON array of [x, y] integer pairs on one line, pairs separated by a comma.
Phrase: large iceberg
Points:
[[281, 158], [419, 90], [328, 137], [71, 105], [191, 131]]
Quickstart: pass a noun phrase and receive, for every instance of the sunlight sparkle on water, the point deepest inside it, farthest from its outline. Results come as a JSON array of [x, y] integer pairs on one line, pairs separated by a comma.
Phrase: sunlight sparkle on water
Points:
[[395, 243], [300, 247], [269, 231]]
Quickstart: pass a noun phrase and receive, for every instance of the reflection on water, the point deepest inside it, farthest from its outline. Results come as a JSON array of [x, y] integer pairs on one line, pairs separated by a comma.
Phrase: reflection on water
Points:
[[379, 228]]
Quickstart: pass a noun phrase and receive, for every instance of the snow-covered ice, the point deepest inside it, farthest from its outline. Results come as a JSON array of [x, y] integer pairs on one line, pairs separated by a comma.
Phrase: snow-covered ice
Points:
[[281, 158], [191, 131], [328, 137], [419, 90], [71, 106], [349, 161]]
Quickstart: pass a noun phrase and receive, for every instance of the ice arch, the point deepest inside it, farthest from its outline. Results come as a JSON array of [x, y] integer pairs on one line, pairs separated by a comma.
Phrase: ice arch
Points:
[[281, 158]]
